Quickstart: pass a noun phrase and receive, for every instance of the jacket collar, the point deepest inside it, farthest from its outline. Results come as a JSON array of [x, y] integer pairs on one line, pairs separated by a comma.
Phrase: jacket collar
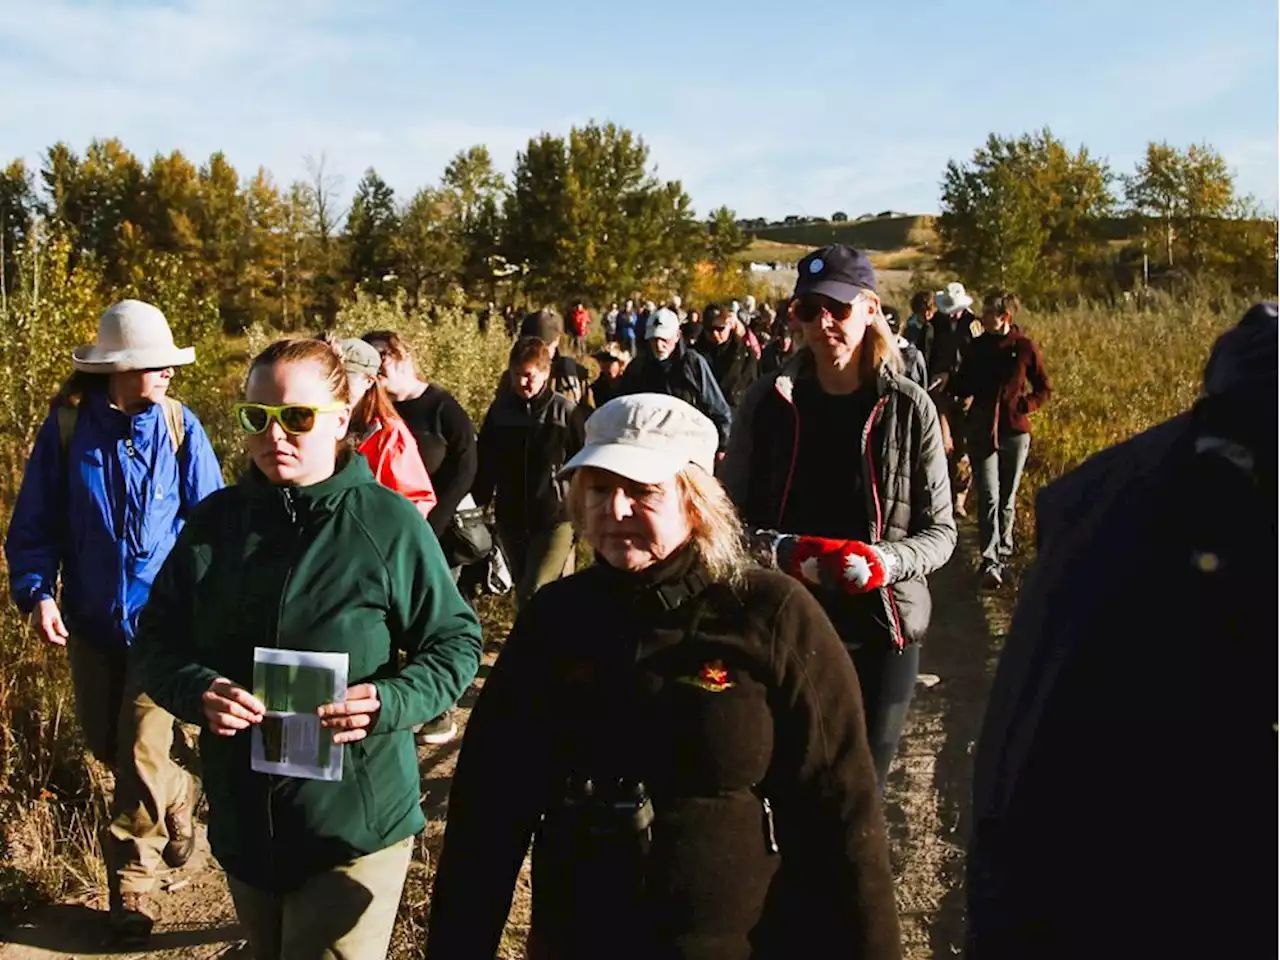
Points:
[[352, 471], [99, 406], [801, 367]]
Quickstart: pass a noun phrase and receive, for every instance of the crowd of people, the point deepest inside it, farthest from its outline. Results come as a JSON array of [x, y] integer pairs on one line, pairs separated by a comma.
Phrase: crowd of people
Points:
[[694, 731]]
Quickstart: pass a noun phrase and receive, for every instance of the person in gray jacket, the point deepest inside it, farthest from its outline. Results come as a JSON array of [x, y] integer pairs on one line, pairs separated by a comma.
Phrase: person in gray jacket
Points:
[[836, 462]]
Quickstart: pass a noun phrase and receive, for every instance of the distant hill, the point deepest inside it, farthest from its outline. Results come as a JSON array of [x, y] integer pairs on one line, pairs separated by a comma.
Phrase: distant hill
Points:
[[886, 234], [882, 233]]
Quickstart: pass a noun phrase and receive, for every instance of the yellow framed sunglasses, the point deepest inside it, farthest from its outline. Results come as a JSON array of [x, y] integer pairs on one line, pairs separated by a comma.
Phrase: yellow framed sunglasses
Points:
[[294, 418]]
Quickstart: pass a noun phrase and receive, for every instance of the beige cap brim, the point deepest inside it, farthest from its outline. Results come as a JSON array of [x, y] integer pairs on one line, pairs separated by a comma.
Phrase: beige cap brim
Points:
[[639, 464], [90, 360]]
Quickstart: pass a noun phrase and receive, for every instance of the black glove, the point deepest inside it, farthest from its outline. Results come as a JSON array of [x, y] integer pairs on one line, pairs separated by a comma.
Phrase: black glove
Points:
[[762, 545]]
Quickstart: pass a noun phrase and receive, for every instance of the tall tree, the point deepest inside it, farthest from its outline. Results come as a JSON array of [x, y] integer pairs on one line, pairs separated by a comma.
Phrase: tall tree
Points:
[[171, 201], [327, 257], [17, 210], [476, 192], [585, 219], [724, 237], [220, 226], [262, 252], [299, 293], [1024, 213], [371, 232], [1190, 193], [430, 249]]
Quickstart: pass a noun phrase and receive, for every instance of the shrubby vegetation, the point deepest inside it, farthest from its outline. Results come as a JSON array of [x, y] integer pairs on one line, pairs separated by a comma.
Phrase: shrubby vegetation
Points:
[[582, 218], [1029, 214]]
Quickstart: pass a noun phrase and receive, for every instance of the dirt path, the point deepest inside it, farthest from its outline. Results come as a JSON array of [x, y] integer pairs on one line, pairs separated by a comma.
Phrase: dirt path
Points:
[[927, 807]]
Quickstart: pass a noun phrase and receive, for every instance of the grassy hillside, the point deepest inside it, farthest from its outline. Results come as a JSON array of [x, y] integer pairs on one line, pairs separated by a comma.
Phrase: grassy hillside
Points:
[[891, 233]]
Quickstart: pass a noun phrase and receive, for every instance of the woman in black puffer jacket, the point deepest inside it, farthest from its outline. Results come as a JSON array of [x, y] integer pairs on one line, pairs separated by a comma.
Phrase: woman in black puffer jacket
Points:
[[680, 733]]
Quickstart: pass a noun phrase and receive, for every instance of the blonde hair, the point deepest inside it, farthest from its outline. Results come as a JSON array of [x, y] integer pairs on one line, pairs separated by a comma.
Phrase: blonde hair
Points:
[[880, 347], [717, 532], [879, 343]]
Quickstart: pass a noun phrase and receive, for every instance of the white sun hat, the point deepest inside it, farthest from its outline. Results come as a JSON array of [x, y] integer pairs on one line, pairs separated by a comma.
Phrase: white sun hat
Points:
[[953, 298], [132, 335], [648, 438]]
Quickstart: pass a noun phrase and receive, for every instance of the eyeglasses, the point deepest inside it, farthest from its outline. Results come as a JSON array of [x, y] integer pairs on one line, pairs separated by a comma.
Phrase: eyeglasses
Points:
[[812, 306], [648, 496], [294, 418]]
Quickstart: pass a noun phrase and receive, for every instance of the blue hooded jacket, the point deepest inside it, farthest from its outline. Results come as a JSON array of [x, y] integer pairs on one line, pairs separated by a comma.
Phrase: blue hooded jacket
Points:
[[107, 514]]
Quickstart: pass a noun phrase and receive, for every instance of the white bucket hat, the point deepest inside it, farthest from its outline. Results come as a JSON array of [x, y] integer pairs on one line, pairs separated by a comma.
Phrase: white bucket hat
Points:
[[132, 335], [953, 298], [648, 438]]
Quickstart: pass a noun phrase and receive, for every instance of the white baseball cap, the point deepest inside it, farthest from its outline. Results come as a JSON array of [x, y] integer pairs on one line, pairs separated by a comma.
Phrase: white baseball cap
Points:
[[648, 438], [663, 325]]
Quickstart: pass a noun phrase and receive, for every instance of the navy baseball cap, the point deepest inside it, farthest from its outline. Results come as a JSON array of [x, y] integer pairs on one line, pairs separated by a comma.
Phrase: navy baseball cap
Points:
[[837, 271]]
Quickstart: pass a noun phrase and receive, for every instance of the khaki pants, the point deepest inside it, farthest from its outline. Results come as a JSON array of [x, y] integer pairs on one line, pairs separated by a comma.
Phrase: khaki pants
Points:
[[537, 558], [347, 913], [125, 730]]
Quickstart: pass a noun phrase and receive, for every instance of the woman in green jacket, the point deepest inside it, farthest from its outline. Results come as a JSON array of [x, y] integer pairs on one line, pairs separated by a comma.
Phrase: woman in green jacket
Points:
[[309, 553]]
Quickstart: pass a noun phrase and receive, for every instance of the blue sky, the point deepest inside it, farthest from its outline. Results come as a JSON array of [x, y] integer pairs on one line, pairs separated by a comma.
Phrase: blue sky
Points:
[[770, 107]]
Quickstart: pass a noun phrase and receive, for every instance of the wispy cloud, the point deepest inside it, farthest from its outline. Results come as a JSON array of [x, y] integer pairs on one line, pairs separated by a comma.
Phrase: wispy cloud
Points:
[[769, 130]]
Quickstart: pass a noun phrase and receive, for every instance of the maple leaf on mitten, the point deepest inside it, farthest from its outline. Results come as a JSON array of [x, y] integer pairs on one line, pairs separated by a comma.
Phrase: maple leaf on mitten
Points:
[[847, 566]]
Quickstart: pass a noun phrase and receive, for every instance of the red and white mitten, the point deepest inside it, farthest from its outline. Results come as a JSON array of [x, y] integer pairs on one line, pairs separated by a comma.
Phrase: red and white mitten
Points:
[[847, 566]]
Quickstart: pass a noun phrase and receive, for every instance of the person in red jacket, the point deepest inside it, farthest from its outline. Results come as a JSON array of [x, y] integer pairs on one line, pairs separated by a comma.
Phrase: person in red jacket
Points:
[[580, 322], [1003, 372], [379, 432]]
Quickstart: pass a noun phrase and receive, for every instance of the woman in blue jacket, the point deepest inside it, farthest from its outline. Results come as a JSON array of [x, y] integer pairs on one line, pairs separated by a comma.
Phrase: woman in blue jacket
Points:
[[115, 468]]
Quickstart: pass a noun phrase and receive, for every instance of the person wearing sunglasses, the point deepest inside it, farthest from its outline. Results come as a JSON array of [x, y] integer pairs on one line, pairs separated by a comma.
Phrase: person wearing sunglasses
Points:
[[117, 467], [308, 552], [379, 431], [837, 462]]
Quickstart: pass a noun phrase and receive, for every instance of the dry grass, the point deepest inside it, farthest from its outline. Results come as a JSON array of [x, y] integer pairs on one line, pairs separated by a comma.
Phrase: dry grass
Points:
[[1114, 374]]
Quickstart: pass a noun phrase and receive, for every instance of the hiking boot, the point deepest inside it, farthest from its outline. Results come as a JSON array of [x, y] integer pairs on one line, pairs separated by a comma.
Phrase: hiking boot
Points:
[[992, 579], [179, 821], [435, 732], [131, 917]]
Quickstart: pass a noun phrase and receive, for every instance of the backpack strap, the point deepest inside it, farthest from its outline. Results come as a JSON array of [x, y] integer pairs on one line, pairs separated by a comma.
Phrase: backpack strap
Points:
[[176, 425], [174, 421]]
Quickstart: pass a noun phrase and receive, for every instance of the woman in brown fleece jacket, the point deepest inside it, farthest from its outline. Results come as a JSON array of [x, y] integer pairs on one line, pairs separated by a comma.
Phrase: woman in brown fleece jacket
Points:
[[1004, 373], [680, 733]]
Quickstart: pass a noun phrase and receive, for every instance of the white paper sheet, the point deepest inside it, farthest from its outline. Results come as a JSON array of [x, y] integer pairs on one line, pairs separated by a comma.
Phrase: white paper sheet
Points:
[[292, 684]]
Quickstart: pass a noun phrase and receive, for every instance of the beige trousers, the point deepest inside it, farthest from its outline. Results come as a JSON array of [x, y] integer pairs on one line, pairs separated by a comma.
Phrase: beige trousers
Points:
[[125, 730], [347, 913]]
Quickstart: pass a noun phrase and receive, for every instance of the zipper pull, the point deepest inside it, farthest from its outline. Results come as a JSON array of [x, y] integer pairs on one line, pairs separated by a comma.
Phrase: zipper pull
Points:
[[770, 834], [289, 506]]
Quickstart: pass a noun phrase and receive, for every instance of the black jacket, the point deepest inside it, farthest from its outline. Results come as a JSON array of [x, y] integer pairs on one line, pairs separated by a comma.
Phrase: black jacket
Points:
[[446, 439], [946, 343], [1135, 674], [733, 364], [773, 357], [602, 390], [685, 374], [523, 444], [738, 710]]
